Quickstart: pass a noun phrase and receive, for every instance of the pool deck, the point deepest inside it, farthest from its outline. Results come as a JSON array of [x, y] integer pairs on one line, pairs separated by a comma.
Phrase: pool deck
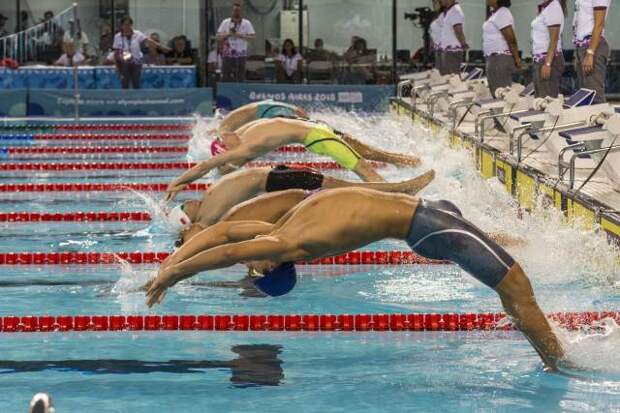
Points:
[[597, 203]]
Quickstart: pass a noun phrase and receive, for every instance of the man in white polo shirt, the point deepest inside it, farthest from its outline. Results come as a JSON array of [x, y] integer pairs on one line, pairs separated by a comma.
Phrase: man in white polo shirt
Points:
[[235, 32]]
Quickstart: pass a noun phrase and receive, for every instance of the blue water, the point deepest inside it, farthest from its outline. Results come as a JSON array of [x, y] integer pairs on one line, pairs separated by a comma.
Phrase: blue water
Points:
[[572, 270]]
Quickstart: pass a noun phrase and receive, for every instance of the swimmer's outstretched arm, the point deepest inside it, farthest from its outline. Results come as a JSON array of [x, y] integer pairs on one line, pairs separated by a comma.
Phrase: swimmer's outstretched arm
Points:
[[263, 248], [238, 155], [379, 155], [216, 235]]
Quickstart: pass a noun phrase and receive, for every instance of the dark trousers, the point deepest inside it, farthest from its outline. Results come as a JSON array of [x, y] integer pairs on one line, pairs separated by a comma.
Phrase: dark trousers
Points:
[[500, 69], [596, 79], [130, 72], [438, 62], [233, 69], [451, 63], [549, 87]]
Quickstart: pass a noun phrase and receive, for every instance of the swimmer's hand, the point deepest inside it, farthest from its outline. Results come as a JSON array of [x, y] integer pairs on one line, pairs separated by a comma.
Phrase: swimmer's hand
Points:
[[156, 287], [172, 190]]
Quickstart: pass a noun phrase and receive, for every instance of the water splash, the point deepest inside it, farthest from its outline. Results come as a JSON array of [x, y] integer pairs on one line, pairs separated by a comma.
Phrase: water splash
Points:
[[592, 351], [128, 287], [199, 146]]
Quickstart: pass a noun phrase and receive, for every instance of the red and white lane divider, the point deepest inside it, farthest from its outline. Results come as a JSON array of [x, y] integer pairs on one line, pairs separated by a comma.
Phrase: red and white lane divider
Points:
[[110, 137], [93, 166], [287, 322], [88, 166], [74, 217], [95, 187], [60, 150], [119, 126], [91, 258]]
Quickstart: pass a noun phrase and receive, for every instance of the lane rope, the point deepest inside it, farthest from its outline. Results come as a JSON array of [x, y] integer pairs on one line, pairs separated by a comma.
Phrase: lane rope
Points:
[[95, 187], [102, 126], [453, 322], [91, 258], [93, 136], [22, 150], [90, 166]]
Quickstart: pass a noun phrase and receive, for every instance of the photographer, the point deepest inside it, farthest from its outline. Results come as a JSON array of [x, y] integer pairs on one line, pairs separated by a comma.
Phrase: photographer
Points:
[[235, 32], [128, 53]]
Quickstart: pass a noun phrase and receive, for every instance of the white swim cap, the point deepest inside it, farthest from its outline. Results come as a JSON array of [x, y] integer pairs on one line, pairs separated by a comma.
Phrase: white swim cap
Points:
[[178, 219]]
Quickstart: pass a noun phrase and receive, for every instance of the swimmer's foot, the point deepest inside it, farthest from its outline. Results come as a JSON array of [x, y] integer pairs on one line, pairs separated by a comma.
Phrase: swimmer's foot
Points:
[[41, 403], [415, 185]]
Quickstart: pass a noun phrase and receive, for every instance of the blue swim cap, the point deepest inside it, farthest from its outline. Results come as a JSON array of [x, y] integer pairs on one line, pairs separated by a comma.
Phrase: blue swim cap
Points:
[[278, 281]]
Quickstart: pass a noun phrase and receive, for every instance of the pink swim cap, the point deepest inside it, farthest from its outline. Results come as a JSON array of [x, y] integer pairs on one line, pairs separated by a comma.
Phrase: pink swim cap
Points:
[[217, 147]]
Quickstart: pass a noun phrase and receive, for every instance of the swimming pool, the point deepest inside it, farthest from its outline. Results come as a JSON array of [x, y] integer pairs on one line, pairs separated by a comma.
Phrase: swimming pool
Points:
[[572, 270]]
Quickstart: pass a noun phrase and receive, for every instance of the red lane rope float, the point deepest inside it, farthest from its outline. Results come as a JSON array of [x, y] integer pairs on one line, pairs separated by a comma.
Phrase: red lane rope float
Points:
[[74, 217], [118, 149], [93, 136], [95, 149], [287, 322], [86, 258], [87, 166], [120, 126], [80, 187]]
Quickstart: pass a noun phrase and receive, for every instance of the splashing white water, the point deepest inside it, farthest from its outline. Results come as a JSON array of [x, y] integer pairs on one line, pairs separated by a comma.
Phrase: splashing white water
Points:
[[594, 350], [199, 147], [158, 210], [128, 287]]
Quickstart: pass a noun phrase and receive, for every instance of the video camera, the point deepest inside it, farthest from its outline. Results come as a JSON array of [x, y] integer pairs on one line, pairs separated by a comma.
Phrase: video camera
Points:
[[424, 15]]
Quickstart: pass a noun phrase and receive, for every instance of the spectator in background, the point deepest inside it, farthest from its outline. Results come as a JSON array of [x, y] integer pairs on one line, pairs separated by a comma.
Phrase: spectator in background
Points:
[[180, 54], [24, 24], [235, 32], [289, 63], [128, 53], [77, 37], [71, 57], [214, 60], [435, 33], [106, 39], [154, 56], [319, 52], [3, 30], [361, 62], [51, 39]]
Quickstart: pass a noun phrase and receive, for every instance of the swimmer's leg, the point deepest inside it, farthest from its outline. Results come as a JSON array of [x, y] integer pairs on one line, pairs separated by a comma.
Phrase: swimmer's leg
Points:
[[379, 155], [439, 234], [517, 296], [367, 172], [410, 186]]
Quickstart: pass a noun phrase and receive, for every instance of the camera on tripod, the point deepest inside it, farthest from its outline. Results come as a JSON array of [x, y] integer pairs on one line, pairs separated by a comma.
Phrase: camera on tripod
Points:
[[424, 15]]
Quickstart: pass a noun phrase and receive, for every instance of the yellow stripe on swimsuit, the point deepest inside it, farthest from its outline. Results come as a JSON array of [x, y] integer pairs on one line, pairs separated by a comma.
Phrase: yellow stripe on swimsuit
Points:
[[322, 140]]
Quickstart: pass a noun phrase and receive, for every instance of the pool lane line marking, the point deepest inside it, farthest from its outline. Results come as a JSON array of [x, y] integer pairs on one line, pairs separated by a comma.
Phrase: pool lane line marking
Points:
[[452, 322], [137, 257], [90, 166]]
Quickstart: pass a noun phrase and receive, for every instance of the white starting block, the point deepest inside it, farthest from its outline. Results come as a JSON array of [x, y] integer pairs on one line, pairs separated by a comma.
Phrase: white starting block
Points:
[[597, 145]]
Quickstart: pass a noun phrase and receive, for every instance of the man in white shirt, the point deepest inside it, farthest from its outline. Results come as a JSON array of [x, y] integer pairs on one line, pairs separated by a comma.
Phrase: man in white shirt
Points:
[[71, 57], [128, 53], [76, 36], [235, 32]]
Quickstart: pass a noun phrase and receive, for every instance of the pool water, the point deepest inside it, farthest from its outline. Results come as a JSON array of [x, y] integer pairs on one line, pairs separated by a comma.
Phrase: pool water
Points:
[[572, 269]]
